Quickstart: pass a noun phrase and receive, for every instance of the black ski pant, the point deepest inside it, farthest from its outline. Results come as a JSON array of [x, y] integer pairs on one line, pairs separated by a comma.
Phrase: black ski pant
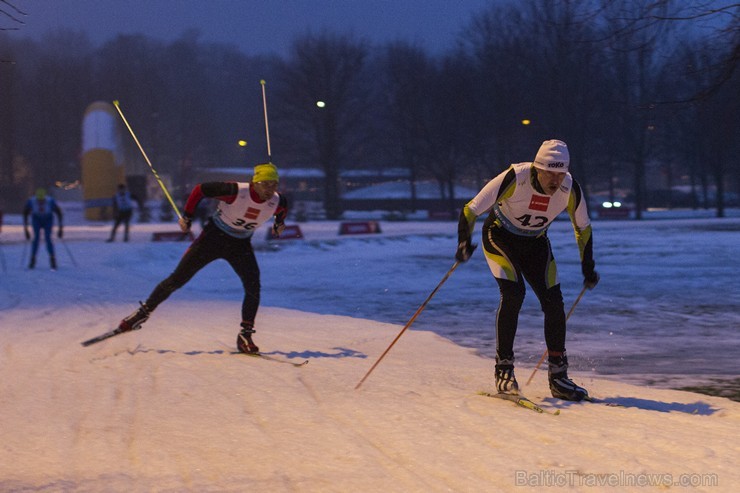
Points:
[[213, 244], [514, 259], [122, 217]]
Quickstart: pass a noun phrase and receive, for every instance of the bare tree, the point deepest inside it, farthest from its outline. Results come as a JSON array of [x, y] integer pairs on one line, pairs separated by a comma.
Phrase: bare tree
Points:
[[408, 71], [541, 62], [635, 28], [57, 88], [129, 69], [718, 125], [9, 194], [499, 51], [450, 148], [322, 103], [712, 22], [632, 48], [12, 16]]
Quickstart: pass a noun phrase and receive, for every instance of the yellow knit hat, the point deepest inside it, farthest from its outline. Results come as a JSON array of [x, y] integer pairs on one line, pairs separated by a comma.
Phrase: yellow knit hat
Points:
[[265, 172]]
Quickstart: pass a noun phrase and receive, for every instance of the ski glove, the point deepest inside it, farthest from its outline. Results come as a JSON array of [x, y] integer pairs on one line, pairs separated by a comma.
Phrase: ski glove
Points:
[[277, 229], [60, 232], [591, 279], [28, 235], [465, 250], [185, 222]]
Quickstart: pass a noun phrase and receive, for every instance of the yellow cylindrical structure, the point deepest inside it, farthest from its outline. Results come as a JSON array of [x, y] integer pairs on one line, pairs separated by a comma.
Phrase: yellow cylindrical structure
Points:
[[102, 168]]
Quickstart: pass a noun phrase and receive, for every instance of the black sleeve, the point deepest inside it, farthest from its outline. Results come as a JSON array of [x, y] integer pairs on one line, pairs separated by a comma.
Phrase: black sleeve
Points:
[[463, 228], [282, 210], [587, 264], [215, 189]]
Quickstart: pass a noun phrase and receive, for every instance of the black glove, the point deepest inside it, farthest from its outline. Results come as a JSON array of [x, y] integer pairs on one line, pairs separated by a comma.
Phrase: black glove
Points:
[[277, 229], [185, 222], [591, 279], [464, 251], [28, 235], [60, 232]]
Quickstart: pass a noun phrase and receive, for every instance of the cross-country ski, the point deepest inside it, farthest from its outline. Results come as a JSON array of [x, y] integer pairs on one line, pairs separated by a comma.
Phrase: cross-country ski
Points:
[[521, 401], [106, 335], [269, 357]]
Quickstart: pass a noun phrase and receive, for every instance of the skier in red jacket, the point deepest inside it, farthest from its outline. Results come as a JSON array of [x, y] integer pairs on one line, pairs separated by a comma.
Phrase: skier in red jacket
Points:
[[242, 207]]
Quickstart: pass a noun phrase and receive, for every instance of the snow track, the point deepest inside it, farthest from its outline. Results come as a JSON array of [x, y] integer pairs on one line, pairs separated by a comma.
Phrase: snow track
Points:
[[168, 408]]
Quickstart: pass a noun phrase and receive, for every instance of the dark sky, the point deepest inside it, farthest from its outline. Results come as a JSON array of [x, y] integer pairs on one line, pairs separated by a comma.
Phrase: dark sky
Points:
[[255, 26]]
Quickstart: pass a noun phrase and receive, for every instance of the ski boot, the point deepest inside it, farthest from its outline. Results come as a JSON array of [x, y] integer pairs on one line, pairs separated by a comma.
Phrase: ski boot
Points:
[[561, 386], [504, 375], [136, 319], [53, 262], [32, 263], [244, 340]]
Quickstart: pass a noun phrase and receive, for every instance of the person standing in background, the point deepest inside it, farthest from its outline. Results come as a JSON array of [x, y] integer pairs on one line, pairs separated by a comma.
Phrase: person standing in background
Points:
[[41, 208], [122, 211]]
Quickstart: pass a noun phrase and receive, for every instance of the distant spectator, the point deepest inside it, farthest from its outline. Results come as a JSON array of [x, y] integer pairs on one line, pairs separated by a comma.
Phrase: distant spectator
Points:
[[41, 208], [122, 211]]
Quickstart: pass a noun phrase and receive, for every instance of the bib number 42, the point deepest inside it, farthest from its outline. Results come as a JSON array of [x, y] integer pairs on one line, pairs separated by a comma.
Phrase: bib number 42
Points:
[[530, 221]]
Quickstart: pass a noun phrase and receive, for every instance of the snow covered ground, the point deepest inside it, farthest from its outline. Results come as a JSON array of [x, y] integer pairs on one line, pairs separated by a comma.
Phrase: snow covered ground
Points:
[[172, 408]]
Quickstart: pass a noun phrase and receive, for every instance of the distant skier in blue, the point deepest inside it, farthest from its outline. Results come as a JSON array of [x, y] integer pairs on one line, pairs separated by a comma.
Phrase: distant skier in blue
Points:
[[122, 210], [522, 202], [42, 207]]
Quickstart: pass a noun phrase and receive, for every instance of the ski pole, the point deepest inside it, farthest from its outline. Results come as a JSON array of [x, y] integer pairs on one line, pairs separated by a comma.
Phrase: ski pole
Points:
[[267, 128], [566, 319], [69, 252], [408, 324], [25, 250], [2, 258], [164, 189]]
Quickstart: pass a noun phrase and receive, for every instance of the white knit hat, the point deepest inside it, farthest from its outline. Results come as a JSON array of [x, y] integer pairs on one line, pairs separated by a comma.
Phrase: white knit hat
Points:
[[553, 156]]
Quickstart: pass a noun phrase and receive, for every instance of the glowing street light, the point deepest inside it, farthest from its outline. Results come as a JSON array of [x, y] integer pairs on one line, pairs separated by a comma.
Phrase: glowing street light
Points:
[[526, 122], [320, 104], [242, 143]]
